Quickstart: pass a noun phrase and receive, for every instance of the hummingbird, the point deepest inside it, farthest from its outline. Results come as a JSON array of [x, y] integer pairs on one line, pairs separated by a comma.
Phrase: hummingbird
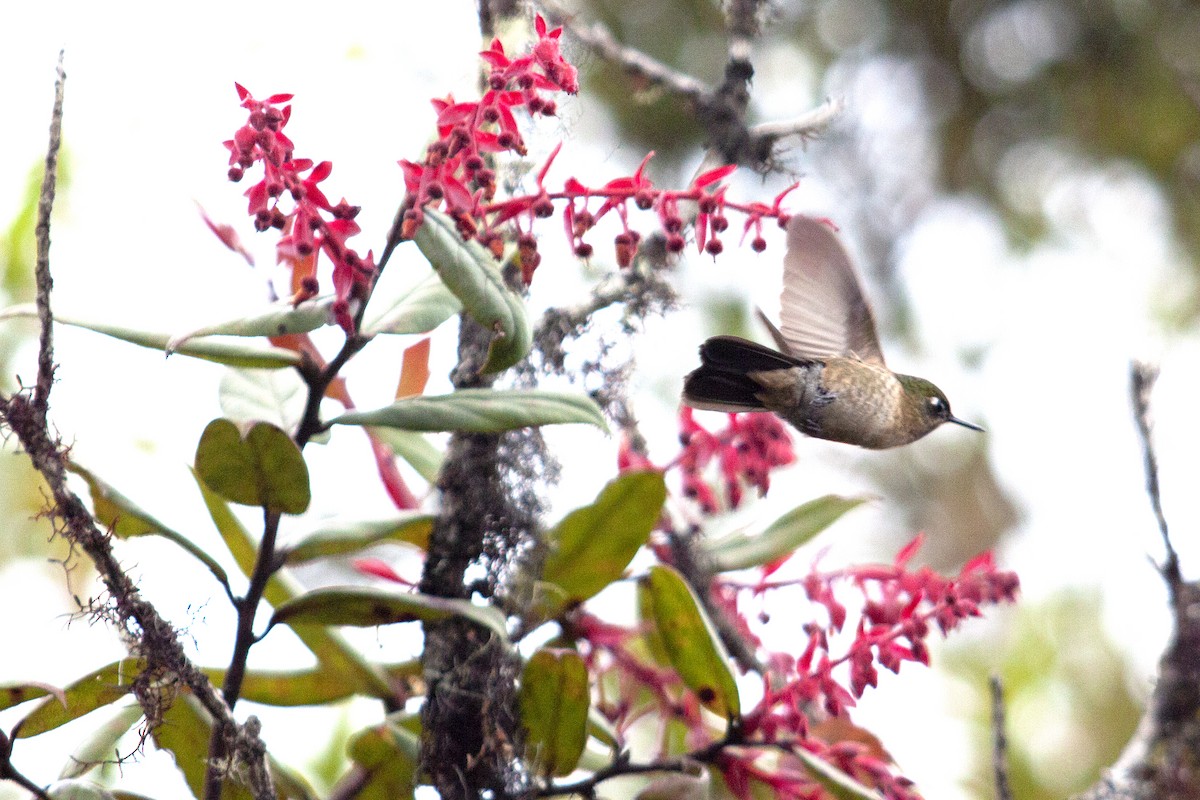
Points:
[[827, 377]]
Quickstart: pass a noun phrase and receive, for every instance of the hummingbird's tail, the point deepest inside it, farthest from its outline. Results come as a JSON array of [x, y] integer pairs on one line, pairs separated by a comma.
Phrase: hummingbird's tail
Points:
[[723, 381]]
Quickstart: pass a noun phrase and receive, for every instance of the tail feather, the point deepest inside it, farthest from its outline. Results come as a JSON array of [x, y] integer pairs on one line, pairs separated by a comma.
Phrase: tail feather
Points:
[[723, 383]]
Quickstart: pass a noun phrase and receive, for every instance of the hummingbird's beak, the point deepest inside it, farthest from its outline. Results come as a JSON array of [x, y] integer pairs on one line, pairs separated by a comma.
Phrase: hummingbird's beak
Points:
[[965, 424]]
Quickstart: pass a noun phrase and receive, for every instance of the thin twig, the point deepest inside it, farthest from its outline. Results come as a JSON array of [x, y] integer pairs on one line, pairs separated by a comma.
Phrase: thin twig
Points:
[[9, 771], [597, 38], [805, 126], [42, 278], [146, 633], [999, 741], [1141, 384]]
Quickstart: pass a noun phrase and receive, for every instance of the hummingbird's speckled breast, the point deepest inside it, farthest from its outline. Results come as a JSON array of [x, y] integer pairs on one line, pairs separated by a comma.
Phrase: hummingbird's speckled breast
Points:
[[840, 399]]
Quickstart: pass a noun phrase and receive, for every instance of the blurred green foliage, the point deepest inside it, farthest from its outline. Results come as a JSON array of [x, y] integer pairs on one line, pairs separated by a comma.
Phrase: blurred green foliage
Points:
[[27, 535], [1071, 699], [1000, 98]]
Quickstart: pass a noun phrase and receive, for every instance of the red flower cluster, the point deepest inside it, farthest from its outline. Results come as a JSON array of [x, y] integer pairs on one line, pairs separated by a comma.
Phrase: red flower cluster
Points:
[[455, 171], [455, 174], [803, 696], [306, 230], [898, 608], [746, 451]]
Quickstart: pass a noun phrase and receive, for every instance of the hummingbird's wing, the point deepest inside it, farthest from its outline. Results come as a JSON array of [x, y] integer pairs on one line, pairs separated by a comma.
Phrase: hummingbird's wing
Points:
[[823, 311]]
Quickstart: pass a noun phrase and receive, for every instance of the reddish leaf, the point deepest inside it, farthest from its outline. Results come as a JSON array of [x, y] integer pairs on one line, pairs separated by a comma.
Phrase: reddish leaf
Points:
[[414, 372]]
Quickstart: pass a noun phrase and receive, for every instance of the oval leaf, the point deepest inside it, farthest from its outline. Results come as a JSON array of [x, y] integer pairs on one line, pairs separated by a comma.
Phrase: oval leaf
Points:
[[593, 545], [554, 703], [265, 468], [95, 690], [666, 602], [350, 537], [13, 694], [363, 606], [480, 411], [234, 353], [281, 318], [471, 273], [783, 536], [418, 308]]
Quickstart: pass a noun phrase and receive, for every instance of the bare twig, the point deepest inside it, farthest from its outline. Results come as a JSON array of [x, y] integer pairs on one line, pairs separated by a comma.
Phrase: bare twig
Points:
[[805, 126], [45, 375], [999, 741], [1141, 384], [145, 633], [1162, 760], [9, 771]]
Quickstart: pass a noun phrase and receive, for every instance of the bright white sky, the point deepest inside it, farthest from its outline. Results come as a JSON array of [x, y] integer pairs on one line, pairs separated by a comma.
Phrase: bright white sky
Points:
[[150, 98]]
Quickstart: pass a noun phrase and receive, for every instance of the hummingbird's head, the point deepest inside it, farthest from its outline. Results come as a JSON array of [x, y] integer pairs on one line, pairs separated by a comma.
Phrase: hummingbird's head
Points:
[[929, 405]]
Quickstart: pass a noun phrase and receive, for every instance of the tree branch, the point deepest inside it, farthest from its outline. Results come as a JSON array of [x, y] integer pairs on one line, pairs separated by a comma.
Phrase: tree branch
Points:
[[721, 110], [999, 741], [145, 633], [1162, 760]]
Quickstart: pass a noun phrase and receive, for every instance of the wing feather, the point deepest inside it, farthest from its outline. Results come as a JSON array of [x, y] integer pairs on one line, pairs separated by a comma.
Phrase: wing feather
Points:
[[823, 311]]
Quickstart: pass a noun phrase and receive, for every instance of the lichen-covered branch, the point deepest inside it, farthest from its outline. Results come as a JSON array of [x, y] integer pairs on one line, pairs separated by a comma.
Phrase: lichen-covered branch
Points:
[[146, 634], [1162, 760]]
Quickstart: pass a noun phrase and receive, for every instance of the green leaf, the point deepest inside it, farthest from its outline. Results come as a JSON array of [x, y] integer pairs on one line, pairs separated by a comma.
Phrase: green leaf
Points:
[[666, 602], [185, 733], [339, 538], [783, 536], [124, 518], [593, 545], [13, 694], [222, 351], [263, 395], [342, 663], [101, 742], [365, 606], [277, 320], [264, 468], [839, 785], [301, 687], [95, 690], [554, 703], [472, 274], [480, 411], [418, 308], [388, 753], [414, 448]]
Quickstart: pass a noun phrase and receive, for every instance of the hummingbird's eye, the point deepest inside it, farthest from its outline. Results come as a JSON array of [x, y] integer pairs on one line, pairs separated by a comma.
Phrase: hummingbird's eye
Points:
[[937, 406]]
